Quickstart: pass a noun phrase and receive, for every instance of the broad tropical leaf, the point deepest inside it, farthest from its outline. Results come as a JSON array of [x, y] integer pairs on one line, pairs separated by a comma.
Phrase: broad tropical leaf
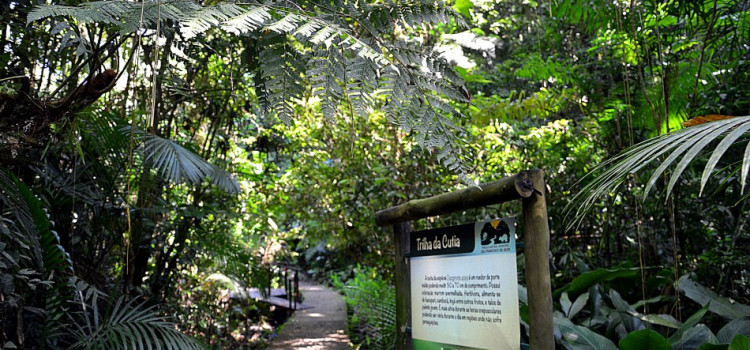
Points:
[[718, 305], [709, 346], [693, 320], [740, 342], [694, 337], [657, 319], [582, 338], [645, 339], [738, 326], [590, 278]]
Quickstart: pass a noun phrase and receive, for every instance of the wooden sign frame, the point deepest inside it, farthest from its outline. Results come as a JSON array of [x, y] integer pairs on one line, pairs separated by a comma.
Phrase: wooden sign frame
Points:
[[529, 187]]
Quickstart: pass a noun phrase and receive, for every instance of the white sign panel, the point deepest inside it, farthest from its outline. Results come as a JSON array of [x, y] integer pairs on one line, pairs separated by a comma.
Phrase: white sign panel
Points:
[[464, 287]]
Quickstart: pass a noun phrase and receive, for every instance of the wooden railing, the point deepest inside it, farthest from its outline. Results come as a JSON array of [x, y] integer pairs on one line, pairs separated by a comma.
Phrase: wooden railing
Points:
[[289, 275]]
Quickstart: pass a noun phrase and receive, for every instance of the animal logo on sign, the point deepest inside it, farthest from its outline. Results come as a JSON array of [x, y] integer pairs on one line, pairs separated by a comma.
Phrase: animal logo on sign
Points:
[[495, 232]]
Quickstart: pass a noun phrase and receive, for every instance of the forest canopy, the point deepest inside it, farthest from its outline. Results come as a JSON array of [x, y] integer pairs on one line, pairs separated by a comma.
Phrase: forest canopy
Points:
[[157, 155]]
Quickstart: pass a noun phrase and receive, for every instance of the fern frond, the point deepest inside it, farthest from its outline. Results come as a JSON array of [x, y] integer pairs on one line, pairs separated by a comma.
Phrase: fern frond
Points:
[[122, 13], [56, 260], [250, 21], [361, 82], [294, 38], [414, 13], [209, 17], [57, 265], [399, 88], [431, 71], [325, 74], [288, 24], [365, 50], [85, 13], [282, 69]]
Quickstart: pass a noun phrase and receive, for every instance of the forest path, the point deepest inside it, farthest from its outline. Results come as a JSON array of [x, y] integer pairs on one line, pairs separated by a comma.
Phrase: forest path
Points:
[[321, 327]]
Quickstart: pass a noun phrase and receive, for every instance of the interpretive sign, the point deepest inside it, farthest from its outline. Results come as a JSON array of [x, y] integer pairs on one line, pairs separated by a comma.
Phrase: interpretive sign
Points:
[[464, 287]]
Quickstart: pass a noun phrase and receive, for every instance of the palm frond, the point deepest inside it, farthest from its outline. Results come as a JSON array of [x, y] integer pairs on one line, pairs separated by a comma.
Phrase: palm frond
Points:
[[224, 180], [178, 164], [55, 259], [20, 222], [125, 325], [686, 144], [30, 244]]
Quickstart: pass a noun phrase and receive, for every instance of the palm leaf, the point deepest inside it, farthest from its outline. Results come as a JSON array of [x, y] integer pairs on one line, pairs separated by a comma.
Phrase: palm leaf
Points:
[[22, 225], [686, 145], [177, 163], [126, 326]]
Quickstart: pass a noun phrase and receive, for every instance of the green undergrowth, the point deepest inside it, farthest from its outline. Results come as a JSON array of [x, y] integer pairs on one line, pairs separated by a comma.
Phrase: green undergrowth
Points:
[[371, 308]]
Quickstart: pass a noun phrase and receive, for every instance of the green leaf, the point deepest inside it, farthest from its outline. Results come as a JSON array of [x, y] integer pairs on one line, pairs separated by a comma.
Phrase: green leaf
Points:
[[745, 168], [463, 7], [565, 303], [690, 323], [740, 342], [694, 337], [590, 278], [691, 144], [582, 338], [687, 143], [660, 319], [656, 299], [619, 303], [644, 339], [630, 323], [723, 146], [739, 326], [578, 305], [719, 305], [177, 163], [698, 147], [472, 78], [709, 346]]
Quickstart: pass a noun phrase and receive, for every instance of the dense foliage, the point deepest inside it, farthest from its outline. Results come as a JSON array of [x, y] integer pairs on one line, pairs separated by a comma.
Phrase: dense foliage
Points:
[[160, 157]]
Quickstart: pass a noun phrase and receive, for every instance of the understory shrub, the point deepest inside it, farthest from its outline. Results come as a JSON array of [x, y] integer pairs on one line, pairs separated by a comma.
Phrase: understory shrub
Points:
[[371, 308]]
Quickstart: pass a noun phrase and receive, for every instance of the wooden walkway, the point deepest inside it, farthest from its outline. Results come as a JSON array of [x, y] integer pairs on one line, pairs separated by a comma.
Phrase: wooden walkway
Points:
[[278, 298], [322, 326]]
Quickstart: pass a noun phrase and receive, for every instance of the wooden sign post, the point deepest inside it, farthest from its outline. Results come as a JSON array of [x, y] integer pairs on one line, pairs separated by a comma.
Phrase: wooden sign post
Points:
[[527, 186]]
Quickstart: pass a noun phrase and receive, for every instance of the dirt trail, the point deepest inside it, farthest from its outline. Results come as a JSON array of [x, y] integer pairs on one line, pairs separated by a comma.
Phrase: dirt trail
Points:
[[321, 327]]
